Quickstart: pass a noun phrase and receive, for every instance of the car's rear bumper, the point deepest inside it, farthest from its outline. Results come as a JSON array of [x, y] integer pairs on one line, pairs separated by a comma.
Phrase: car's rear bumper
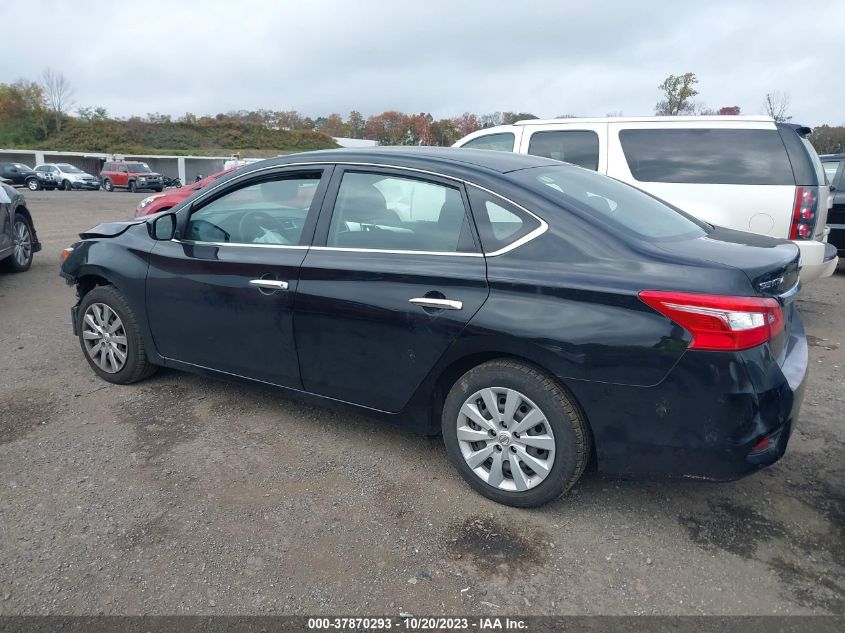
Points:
[[818, 259], [706, 418]]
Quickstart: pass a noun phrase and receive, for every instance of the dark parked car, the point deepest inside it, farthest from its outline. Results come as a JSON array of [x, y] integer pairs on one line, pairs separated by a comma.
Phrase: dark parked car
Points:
[[834, 165], [20, 175], [536, 313], [18, 241]]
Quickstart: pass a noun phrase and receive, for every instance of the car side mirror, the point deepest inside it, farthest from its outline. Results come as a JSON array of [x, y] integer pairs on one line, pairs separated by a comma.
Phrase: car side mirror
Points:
[[164, 227]]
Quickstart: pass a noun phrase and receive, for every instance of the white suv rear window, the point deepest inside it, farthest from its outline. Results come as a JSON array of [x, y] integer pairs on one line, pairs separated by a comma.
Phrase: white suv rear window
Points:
[[707, 156]]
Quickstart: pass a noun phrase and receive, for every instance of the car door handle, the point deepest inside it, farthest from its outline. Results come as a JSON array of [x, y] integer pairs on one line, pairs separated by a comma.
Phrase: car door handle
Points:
[[269, 284], [440, 304]]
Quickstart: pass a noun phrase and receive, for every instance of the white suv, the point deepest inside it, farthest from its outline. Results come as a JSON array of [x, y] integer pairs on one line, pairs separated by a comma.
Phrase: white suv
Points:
[[741, 172]]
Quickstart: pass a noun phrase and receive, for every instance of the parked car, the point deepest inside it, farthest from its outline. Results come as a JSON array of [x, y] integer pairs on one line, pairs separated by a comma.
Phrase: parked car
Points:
[[20, 175], [533, 312], [18, 241], [834, 165], [742, 172], [130, 175], [68, 176], [164, 201]]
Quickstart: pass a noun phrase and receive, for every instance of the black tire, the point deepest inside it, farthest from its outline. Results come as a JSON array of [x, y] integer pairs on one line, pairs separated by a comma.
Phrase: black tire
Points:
[[570, 429], [178, 184], [137, 366], [11, 263], [66, 185], [132, 187], [33, 184], [158, 189], [107, 185]]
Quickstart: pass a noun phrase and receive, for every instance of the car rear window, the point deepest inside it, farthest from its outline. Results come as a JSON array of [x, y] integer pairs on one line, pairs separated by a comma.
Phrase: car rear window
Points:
[[579, 147], [707, 156], [610, 201]]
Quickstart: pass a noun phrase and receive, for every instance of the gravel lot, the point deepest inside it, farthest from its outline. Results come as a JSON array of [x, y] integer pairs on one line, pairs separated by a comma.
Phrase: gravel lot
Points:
[[185, 495]]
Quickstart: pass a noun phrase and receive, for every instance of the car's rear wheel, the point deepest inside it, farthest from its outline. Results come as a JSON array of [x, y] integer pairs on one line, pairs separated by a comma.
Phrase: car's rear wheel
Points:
[[21, 258], [132, 186], [514, 434], [33, 184], [107, 185], [110, 337]]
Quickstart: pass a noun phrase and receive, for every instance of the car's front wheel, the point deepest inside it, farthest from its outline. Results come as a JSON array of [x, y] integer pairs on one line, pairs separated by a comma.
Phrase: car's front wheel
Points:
[[33, 184], [110, 337], [132, 186], [21, 258], [66, 185], [514, 434]]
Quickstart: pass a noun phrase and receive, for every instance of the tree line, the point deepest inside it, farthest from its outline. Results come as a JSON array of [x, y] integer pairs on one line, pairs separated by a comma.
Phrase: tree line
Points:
[[44, 114]]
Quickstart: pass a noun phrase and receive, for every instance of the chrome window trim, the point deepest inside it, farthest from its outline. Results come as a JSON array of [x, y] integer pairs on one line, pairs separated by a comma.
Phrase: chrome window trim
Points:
[[248, 245], [506, 249], [394, 251], [525, 238]]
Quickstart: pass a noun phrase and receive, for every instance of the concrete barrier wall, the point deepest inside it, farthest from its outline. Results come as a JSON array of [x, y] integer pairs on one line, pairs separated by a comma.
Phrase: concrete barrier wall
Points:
[[27, 158], [201, 166]]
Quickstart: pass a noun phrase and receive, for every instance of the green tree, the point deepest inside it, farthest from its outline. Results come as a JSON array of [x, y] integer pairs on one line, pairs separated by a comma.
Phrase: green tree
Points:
[[356, 123], [678, 93]]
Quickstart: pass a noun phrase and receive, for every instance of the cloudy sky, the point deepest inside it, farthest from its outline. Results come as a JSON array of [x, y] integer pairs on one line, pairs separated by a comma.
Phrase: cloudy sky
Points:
[[587, 58]]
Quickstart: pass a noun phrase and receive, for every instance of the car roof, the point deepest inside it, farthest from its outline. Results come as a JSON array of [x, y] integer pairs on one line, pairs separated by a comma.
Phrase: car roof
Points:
[[651, 119], [447, 159]]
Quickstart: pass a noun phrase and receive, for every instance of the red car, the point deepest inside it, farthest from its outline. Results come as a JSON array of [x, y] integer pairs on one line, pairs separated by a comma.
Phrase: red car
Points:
[[164, 201], [131, 175]]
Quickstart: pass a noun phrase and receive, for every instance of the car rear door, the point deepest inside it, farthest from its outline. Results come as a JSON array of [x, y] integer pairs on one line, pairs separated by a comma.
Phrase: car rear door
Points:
[[120, 177], [395, 274], [220, 295]]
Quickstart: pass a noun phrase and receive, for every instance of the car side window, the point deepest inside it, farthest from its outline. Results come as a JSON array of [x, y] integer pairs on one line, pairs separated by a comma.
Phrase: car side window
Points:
[[385, 212], [123, 169], [499, 222], [267, 212], [579, 147], [501, 142], [830, 169]]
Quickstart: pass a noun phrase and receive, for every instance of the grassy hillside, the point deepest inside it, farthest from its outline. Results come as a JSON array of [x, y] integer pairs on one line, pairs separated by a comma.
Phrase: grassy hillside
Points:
[[207, 137]]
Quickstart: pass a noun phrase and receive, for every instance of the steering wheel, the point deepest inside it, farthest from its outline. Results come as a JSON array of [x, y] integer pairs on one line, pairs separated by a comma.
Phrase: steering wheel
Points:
[[253, 223]]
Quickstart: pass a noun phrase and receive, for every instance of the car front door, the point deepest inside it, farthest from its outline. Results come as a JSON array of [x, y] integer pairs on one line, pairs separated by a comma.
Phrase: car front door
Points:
[[394, 276], [220, 295]]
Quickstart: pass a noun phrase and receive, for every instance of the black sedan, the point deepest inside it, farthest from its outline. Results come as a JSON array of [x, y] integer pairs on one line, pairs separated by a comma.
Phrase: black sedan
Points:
[[18, 241], [539, 315]]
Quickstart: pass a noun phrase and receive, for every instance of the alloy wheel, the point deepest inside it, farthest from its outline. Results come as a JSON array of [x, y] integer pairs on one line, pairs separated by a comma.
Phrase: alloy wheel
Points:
[[505, 439], [104, 337], [22, 244], [32, 184]]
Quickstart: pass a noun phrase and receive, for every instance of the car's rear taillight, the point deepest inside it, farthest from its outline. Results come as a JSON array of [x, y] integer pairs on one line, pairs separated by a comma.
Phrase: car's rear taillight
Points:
[[719, 322], [804, 213]]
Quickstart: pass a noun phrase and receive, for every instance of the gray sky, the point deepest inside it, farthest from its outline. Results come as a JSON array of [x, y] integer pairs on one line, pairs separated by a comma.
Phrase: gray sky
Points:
[[323, 56]]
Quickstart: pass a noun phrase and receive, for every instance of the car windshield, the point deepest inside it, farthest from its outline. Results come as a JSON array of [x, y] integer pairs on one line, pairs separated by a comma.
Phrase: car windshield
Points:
[[139, 168], [69, 169], [22, 166], [611, 201]]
